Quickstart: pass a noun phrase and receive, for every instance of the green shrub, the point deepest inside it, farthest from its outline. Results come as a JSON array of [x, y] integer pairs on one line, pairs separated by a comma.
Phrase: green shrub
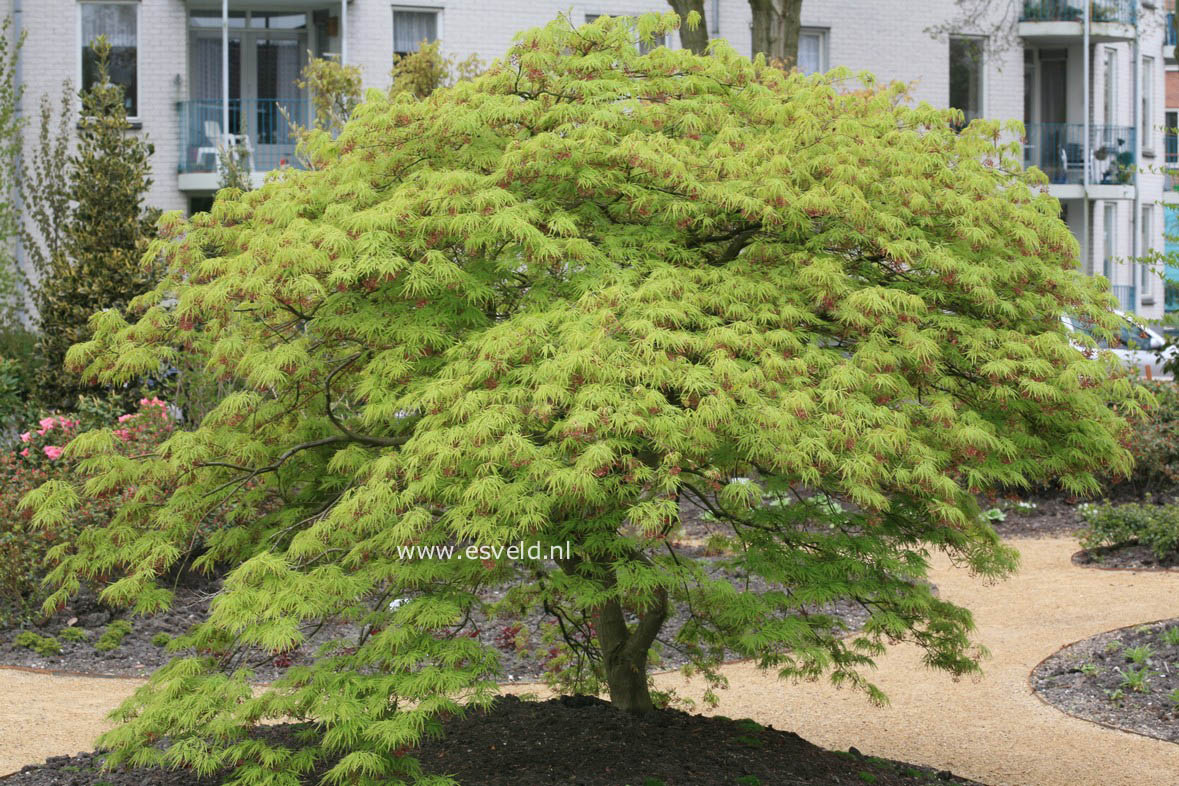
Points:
[[39, 457], [113, 636], [1154, 442], [749, 780], [107, 227], [161, 639], [1153, 526], [42, 645], [73, 634]]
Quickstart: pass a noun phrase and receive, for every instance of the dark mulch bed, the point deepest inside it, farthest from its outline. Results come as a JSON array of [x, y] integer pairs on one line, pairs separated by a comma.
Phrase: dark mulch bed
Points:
[[1130, 556], [519, 639], [579, 740], [1091, 679], [1035, 517]]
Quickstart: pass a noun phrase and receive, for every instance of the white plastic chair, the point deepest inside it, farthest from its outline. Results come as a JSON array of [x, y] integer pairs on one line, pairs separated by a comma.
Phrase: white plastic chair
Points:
[[218, 142]]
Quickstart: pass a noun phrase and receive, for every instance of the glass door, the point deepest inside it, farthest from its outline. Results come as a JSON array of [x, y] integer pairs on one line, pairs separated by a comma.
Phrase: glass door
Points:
[[271, 89], [267, 52]]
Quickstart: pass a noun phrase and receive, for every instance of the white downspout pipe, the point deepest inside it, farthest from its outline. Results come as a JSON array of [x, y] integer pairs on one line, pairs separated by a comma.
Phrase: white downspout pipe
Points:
[[1141, 128], [343, 32], [1087, 149], [224, 73]]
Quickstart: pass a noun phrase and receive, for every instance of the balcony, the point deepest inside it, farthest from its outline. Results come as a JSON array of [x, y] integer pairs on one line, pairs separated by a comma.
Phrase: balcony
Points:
[[1062, 21], [258, 125], [1058, 149]]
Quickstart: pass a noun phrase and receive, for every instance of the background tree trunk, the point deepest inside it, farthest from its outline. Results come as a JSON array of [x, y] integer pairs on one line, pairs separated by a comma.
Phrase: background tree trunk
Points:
[[776, 25], [624, 652], [695, 40]]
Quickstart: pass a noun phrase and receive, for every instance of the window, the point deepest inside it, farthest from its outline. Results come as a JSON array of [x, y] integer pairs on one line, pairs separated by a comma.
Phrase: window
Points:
[[1110, 80], [812, 51], [411, 28], [966, 76], [1171, 136], [644, 46], [1148, 103], [1146, 276], [119, 22], [1110, 234]]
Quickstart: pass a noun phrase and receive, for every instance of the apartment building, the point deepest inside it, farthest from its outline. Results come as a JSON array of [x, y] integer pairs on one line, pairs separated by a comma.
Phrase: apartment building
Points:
[[1086, 76]]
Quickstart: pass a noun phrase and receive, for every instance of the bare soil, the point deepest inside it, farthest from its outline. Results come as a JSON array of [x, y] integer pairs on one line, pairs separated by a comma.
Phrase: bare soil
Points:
[[574, 740], [1097, 679]]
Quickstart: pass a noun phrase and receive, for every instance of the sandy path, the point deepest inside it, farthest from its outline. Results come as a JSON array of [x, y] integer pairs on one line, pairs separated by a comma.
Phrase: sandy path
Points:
[[44, 715], [992, 729]]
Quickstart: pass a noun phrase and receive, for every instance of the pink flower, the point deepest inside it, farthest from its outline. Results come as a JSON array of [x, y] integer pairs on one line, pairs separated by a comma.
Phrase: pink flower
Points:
[[42, 431], [125, 418], [46, 423], [123, 434], [25, 452], [25, 437], [53, 452]]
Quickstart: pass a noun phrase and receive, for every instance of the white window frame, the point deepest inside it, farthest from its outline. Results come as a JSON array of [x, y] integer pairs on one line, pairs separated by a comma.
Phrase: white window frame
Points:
[[1109, 235], [824, 35], [79, 43], [1146, 275], [1146, 91], [427, 9]]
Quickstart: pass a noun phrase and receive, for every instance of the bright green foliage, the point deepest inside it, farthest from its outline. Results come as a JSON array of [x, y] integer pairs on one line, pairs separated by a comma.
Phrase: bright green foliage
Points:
[[335, 91], [1150, 525], [98, 266], [160, 639], [550, 304], [42, 645], [422, 72], [113, 636], [73, 634]]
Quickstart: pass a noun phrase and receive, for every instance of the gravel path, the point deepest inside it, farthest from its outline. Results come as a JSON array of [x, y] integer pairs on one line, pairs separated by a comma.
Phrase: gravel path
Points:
[[993, 729]]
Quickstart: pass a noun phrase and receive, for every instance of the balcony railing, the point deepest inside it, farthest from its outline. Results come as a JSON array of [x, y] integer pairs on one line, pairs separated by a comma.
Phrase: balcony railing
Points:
[[1127, 295], [257, 124], [1059, 150], [1124, 11]]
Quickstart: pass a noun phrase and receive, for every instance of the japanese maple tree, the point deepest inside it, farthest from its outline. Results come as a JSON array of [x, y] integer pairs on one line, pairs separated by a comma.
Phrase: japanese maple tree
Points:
[[554, 304]]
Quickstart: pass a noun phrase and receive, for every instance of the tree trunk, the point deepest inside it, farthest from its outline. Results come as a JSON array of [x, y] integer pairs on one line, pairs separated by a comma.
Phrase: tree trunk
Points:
[[624, 652], [776, 24], [694, 40]]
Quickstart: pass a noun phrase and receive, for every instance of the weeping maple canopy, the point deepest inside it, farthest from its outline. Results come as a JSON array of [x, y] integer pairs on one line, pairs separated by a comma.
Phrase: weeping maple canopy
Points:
[[552, 304]]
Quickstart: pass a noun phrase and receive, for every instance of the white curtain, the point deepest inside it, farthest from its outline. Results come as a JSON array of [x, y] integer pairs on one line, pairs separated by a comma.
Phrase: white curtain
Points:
[[410, 28], [810, 52], [206, 69], [114, 20], [289, 64]]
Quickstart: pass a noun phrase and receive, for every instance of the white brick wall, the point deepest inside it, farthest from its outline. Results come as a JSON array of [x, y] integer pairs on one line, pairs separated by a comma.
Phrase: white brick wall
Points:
[[52, 54]]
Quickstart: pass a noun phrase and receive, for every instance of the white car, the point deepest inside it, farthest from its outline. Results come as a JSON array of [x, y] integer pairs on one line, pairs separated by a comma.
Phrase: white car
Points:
[[1138, 347]]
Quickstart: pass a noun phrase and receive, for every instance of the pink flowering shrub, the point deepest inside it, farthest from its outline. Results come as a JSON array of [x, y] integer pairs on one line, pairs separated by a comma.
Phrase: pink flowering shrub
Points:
[[39, 456]]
